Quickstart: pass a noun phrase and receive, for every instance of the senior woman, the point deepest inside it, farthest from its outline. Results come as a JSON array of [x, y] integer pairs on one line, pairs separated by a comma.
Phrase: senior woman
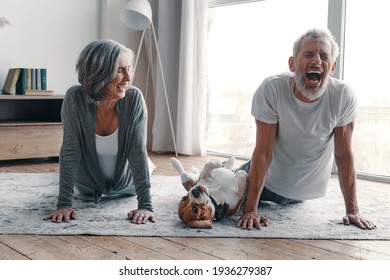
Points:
[[104, 143]]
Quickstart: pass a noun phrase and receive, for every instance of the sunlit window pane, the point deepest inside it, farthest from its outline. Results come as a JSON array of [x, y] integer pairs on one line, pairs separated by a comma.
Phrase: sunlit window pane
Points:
[[366, 67], [247, 43]]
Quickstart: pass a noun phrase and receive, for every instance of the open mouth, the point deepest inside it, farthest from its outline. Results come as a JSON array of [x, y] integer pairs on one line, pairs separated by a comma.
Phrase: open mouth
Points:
[[122, 86], [314, 76]]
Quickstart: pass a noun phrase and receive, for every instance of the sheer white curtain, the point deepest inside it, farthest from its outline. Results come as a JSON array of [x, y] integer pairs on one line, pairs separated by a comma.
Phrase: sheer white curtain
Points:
[[182, 35], [192, 78]]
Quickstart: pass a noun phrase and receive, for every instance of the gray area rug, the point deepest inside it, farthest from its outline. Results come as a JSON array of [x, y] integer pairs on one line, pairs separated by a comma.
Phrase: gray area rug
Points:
[[25, 198]]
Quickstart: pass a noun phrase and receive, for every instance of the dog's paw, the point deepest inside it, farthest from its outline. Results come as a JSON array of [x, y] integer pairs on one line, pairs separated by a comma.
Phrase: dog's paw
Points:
[[229, 164], [176, 164]]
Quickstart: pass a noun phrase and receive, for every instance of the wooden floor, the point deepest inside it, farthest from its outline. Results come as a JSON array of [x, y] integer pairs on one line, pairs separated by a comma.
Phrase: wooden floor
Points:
[[42, 247]]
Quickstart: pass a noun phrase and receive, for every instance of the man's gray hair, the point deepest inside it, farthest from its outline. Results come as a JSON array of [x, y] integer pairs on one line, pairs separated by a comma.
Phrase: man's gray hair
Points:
[[318, 33]]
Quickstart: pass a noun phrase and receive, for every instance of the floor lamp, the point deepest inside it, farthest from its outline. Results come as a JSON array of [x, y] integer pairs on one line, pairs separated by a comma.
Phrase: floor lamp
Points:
[[137, 15]]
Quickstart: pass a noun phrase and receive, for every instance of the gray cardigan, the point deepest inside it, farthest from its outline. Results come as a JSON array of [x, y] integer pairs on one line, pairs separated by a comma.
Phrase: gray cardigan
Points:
[[78, 158]]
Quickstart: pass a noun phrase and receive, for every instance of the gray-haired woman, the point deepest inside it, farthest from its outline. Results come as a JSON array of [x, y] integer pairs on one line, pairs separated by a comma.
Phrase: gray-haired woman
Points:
[[104, 143]]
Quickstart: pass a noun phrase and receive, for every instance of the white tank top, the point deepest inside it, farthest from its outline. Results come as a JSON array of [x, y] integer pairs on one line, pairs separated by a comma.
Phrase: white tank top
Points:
[[107, 150]]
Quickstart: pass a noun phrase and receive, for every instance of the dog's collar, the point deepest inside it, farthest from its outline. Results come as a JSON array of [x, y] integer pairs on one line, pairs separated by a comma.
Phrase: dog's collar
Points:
[[216, 206]]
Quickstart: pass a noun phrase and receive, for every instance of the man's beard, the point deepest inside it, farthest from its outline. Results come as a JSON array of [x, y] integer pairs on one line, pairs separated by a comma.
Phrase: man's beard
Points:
[[310, 93]]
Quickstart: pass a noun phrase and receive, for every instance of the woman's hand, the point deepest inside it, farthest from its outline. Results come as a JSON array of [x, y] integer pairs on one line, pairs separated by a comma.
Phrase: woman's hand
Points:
[[141, 216], [65, 215]]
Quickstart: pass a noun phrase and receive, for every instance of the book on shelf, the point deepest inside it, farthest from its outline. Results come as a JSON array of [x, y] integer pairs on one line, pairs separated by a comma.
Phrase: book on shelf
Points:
[[20, 87], [21, 79], [39, 82], [10, 81], [28, 78], [33, 79], [36, 92], [43, 79]]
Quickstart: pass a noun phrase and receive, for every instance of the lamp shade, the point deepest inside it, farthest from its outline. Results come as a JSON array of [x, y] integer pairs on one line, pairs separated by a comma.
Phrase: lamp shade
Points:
[[137, 14]]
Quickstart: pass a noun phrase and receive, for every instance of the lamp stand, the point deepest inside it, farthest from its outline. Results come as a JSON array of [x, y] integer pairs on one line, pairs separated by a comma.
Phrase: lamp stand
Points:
[[162, 77], [138, 52]]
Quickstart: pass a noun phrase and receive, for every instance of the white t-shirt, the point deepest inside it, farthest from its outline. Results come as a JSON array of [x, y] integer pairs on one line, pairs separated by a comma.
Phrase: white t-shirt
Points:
[[107, 150], [303, 152]]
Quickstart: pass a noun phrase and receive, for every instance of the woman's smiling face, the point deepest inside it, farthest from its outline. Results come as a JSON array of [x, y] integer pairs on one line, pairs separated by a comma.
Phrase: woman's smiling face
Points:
[[122, 80]]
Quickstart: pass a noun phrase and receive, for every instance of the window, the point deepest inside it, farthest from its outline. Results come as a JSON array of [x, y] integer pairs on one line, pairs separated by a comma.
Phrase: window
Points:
[[246, 43], [252, 40], [366, 63]]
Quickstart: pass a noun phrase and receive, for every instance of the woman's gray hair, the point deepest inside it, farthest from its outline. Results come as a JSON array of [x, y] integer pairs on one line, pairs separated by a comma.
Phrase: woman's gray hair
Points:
[[318, 33], [97, 66]]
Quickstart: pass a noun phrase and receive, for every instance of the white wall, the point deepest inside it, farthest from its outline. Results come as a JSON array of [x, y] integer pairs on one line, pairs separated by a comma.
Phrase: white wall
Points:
[[47, 34], [51, 34], [113, 28]]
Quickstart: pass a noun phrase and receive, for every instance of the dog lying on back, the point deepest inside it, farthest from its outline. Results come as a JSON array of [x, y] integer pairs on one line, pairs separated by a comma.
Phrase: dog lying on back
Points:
[[214, 194]]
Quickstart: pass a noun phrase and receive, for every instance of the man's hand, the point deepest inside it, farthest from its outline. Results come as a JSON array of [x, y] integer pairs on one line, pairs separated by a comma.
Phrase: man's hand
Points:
[[141, 216], [65, 215], [359, 221], [249, 220]]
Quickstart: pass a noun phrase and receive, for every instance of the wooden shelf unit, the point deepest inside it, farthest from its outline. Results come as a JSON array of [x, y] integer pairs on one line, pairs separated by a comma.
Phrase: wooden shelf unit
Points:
[[30, 126]]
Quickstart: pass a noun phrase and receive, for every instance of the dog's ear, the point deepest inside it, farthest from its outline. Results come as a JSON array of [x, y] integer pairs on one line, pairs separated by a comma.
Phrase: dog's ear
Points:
[[207, 224], [182, 205]]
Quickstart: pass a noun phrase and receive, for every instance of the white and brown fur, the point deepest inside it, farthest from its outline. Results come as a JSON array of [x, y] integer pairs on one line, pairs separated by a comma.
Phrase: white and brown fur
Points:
[[214, 194]]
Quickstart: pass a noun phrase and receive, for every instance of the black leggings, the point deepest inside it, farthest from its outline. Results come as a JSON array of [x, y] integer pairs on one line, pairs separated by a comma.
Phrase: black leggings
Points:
[[266, 194]]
